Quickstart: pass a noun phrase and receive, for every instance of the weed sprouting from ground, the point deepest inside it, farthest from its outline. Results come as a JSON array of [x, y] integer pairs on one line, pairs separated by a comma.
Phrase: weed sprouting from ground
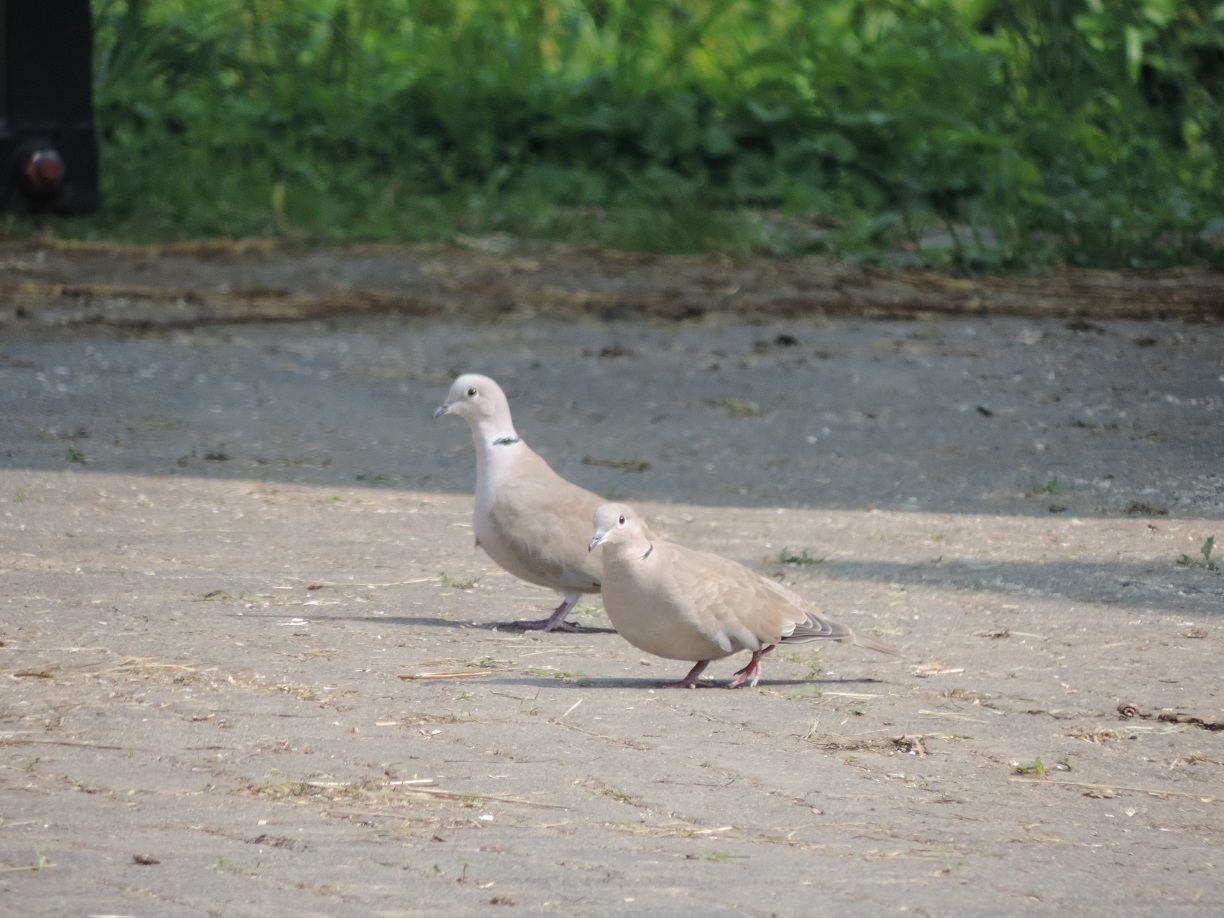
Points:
[[225, 865], [786, 556], [1205, 550], [448, 581], [40, 863], [1050, 487]]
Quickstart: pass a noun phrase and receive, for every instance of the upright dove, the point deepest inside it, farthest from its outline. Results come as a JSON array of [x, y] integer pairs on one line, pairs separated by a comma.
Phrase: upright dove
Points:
[[527, 518], [683, 604]]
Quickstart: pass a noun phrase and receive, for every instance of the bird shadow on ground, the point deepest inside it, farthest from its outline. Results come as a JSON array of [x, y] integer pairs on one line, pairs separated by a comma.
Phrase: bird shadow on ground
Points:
[[436, 622], [576, 629], [583, 682], [424, 621]]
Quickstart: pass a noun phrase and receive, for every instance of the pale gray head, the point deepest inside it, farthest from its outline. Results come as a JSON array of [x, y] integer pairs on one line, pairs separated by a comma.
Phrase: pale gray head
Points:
[[617, 524], [479, 401]]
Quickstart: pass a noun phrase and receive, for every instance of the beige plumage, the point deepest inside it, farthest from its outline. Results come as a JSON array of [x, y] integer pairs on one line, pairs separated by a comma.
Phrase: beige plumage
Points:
[[527, 518], [691, 605]]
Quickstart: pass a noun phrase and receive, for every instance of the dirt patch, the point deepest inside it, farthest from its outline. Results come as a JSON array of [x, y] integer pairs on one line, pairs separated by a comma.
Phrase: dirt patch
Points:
[[252, 663], [57, 285]]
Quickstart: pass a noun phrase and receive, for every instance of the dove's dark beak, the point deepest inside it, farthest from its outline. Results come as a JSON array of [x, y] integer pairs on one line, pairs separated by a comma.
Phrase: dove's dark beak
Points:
[[442, 409], [597, 540]]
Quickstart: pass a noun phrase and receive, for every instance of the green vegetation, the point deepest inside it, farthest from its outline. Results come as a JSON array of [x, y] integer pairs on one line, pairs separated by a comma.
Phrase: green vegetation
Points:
[[951, 863], [40, 863], [1205, 550], [550, 672], [447, 581], [981, 134], [225, 865], [786, 556], [1050, 487]]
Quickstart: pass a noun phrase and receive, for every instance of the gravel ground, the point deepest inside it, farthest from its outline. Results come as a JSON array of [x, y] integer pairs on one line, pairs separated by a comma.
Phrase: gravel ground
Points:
[[253, 665]]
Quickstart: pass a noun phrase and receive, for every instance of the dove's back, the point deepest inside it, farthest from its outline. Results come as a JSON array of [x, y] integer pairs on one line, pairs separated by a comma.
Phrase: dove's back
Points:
[[533, 522], [689, 605]]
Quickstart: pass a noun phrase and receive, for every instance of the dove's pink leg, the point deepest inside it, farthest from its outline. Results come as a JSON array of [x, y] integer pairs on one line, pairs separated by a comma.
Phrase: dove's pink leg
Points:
[[556, 621], [753, 669], [689, 681]]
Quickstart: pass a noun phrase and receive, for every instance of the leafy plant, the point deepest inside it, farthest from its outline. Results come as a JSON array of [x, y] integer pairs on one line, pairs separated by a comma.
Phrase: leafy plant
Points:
[[716, 856], [1205, 550], [225, 865], [786, 556], [448, 581], [974, 135], [951, 863]]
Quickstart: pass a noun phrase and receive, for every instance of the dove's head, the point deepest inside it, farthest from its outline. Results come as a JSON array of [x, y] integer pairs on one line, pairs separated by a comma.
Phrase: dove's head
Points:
[[479, 401], [616, 524]]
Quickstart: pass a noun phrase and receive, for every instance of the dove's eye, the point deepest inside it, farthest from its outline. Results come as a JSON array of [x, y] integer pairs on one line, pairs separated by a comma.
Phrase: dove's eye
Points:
[[621, 521], [472, 392]]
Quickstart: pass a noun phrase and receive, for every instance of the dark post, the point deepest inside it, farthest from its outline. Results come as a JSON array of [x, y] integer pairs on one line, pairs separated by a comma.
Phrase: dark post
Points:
[[48, 146]]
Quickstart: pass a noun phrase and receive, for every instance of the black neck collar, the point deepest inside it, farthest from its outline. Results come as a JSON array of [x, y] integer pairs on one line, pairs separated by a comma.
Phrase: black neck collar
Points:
[[506, 441]]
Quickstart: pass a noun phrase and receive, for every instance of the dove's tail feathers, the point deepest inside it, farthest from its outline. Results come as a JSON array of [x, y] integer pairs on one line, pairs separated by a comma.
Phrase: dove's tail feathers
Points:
[[816, 628], [875, 645]]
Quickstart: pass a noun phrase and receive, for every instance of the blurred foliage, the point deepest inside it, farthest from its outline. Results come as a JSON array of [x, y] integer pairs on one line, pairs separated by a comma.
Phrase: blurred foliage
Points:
[[977, 133]]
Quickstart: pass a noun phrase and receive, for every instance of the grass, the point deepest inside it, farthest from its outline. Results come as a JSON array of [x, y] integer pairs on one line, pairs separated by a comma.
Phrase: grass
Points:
[[786, 556], [225, 865], [40, 863], [814, 670], [716, 856], [488, 663], [1205, 550], [951, 864], [736, 407], [448, 581], [977, 136], [551, 673], [805, 693], [1030, 768]]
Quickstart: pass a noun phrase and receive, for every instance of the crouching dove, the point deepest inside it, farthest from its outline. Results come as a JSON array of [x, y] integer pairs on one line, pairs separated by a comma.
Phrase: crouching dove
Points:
[[528, 519], [690, 605]]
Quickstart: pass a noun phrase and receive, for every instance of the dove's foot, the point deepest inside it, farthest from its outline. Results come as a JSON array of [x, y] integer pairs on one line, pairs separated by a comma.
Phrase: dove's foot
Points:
[[751, 671], [691, 680], [554, 622]]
